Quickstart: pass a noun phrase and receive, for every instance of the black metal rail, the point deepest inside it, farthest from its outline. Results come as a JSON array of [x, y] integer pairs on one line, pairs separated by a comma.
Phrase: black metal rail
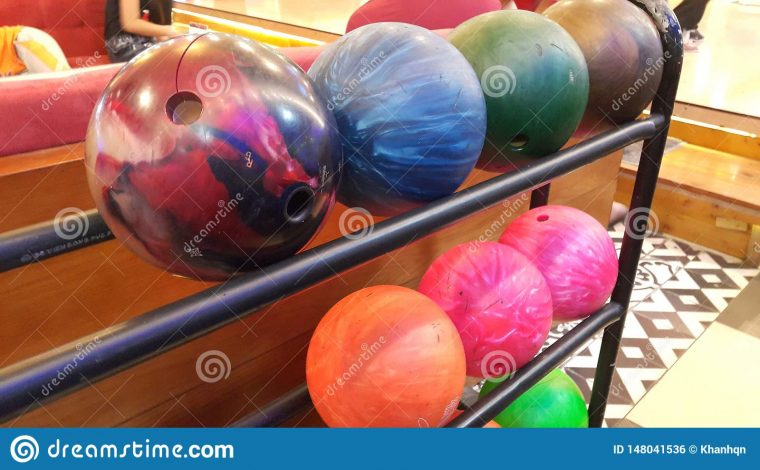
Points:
[[134, 341], [278, 411], [72, 231]]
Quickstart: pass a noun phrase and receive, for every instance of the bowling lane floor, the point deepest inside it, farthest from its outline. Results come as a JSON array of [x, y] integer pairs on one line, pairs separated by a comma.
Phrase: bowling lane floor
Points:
[[721, 74], [680, 290]]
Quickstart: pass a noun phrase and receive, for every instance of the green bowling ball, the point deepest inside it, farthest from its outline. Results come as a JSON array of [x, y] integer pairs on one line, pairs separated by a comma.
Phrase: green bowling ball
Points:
[[554, 402], [535, 81]]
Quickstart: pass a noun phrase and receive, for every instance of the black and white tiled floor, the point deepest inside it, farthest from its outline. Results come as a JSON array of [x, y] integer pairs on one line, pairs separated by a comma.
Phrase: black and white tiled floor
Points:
[[680, 289]]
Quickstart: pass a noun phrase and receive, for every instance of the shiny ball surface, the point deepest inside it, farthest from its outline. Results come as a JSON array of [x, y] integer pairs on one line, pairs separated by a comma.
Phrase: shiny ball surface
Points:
[[212, 155], [623, 52], [573, 251], [410, 113], [498, 301], [554, 402], [385, 356], [535, 82]]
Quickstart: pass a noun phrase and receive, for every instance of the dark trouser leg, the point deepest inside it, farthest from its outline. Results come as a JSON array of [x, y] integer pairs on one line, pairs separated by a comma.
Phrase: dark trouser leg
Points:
[[690, 12]]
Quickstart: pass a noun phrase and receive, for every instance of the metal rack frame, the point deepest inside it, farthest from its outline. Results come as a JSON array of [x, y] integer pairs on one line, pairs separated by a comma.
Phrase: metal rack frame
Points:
[[155, 332]]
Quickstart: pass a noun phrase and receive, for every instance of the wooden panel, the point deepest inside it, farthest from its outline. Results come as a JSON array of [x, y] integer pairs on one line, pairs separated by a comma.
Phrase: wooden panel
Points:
[[693, 217], [35, 186], [723, 176], [724, 139], [261, 380], [717, 117]]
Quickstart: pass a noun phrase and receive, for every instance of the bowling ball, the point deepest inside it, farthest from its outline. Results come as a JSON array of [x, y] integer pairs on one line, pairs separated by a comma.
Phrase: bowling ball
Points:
[[623, 53], [410, 113], [574, 253], [534, 79], [498, 301], [385, 356], [554, 402], [211, 155]]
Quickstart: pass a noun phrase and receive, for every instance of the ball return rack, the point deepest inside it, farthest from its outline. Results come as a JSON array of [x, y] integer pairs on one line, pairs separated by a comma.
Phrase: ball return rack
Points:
[[136, 340]]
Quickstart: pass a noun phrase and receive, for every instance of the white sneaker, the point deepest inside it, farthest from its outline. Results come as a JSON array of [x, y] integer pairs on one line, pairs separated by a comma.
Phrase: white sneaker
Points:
[[691, 41]]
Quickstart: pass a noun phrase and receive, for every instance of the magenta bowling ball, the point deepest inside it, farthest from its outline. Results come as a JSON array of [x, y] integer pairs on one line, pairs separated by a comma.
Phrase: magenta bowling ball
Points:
[[498, 301], [573, 251], [212, 155]]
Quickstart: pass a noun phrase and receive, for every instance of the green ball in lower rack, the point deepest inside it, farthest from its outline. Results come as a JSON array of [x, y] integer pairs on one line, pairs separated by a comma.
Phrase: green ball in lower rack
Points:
[[554, 402]]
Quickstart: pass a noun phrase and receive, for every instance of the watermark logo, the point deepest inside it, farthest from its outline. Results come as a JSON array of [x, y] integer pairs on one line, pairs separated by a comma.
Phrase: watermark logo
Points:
[[225, 208], [368, 351], [641, 223], [446, 417], [368, 66], [511, 208], [70, 81], [24, 448], [70, 223], [497, 364], [213, 366], [650, 71], [498, 81], [83, 350], [355, 223], [213, 81]]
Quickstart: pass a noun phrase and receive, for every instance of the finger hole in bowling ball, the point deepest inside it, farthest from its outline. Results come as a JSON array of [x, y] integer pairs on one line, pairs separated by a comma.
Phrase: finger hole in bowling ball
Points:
[[542, 218], [184, 108], [298, 203], [519, 141]]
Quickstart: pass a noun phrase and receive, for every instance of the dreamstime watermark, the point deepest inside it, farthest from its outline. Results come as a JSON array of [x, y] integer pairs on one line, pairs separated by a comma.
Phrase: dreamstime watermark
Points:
[[213, 81], [641, 220], [71, 223], [368, 351], [82, 352], [498, 81], [368, 66], [497, 364], [646, 362], [70, 81], [213, 366], [650, 71], [225, 207], [24, 448], [447, 412], [355, 223], [511, 207]]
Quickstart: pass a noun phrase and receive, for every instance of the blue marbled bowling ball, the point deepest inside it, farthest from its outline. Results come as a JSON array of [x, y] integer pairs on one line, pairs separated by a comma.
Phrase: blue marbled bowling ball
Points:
[[410, 112]]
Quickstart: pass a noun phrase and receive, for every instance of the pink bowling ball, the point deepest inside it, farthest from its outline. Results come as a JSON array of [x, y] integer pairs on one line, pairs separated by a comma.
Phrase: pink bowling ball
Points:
[[498, 301], [573, 252]]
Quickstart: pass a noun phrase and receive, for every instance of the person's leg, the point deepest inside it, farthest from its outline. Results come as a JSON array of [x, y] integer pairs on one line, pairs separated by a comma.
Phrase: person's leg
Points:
[[690, 13]]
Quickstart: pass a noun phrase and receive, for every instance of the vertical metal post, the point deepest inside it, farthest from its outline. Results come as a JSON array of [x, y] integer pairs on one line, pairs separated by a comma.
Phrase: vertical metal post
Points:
[[641, 201], [540, 196]]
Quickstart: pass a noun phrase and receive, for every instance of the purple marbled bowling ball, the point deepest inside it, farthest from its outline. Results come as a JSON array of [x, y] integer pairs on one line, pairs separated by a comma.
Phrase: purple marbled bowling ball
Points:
[[212, 155]]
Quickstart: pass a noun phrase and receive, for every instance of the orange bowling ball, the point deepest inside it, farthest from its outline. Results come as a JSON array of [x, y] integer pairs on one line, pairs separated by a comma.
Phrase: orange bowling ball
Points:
[[385, 356]]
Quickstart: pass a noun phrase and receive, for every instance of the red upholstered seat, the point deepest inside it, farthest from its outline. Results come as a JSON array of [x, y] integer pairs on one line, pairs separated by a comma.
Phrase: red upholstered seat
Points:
[[77, 25], [431, 14], [53, 109]]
